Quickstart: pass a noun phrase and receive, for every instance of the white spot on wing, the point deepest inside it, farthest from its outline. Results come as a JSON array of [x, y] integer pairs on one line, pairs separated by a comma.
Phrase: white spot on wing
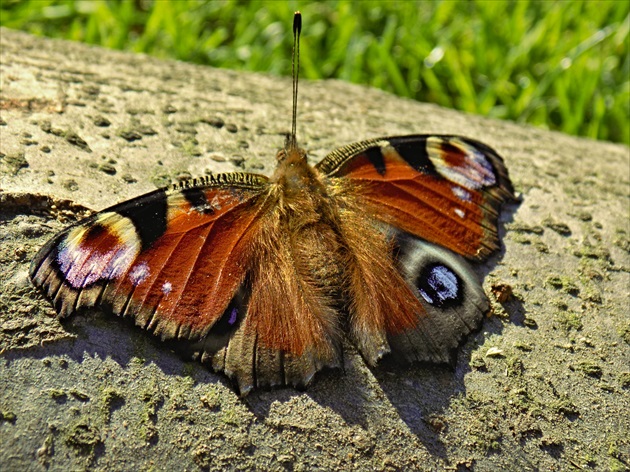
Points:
[[426, 296], [459, 212], [461, 193], [444, 282], [166, 288], [139, 273], [443, 285]]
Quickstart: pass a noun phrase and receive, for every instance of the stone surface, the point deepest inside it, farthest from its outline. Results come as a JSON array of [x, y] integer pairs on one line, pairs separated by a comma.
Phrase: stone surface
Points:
[[543, 386]]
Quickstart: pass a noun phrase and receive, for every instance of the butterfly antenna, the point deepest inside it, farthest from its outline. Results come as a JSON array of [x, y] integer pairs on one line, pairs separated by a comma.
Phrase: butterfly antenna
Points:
[[295, 72]]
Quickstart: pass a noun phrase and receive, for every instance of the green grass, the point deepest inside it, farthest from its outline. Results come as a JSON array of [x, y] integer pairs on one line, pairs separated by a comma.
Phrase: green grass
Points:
[[559, 65]]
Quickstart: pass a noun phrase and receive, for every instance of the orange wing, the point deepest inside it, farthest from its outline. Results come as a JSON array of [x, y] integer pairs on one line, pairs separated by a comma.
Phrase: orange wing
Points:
[[172, 259], [444, 189]]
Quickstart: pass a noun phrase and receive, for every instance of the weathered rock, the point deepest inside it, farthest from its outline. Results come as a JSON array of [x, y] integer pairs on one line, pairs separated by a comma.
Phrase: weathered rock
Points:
[[95, 392]]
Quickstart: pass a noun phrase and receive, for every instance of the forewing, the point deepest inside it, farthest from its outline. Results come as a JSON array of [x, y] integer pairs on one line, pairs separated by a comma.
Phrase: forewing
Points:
[[173, 260], [444, 189]]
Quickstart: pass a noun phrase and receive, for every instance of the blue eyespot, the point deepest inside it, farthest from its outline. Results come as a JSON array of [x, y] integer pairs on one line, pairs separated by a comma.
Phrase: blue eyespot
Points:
[[439, 286]]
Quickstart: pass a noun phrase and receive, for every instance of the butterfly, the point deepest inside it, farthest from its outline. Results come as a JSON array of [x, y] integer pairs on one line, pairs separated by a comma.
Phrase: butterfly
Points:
[[262, 278]]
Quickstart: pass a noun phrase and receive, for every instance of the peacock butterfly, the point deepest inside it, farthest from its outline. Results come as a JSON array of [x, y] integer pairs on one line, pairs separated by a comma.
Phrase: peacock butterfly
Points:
[[262, 277]]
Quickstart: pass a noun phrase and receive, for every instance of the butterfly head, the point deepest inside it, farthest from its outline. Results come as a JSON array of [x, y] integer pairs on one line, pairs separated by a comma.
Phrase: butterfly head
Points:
[[293, 173], [291, 152]]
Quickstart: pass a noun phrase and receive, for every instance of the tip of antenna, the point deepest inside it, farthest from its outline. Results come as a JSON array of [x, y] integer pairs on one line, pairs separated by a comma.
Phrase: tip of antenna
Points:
[[295, 69]]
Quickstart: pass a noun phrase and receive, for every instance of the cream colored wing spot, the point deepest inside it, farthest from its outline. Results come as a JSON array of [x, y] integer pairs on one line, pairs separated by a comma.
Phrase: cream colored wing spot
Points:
[[104, 250], [460, 162], [167, 287], [388, 150], [139, 273]]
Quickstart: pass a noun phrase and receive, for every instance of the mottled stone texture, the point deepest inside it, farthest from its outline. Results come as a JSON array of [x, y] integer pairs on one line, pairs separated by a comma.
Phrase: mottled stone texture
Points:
[[543, 386]]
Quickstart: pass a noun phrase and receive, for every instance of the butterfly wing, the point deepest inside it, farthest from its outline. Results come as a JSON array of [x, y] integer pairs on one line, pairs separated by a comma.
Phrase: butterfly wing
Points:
[[444, 189], [425, 201], [172, 259]]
